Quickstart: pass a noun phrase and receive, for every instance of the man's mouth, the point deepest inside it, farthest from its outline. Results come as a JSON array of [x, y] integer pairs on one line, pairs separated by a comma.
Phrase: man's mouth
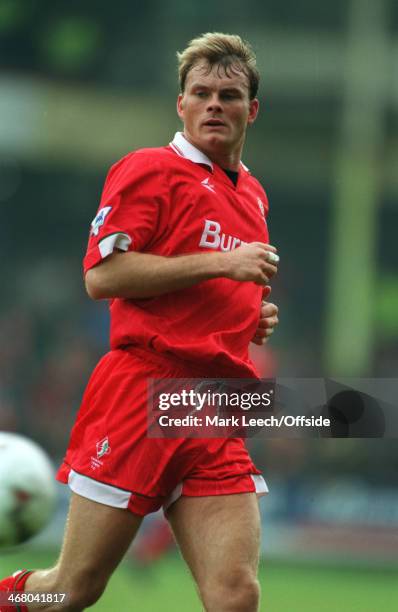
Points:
[[214, 123]]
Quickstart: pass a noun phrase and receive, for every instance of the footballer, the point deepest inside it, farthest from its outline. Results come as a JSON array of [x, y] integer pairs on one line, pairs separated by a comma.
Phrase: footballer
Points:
[[180, 248]]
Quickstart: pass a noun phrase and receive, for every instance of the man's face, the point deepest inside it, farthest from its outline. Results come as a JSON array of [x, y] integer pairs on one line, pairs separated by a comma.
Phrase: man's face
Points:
[[215, 109]]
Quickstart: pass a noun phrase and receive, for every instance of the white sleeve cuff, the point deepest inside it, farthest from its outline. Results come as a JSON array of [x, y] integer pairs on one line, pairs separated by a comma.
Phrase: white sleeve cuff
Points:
[[112, 242]]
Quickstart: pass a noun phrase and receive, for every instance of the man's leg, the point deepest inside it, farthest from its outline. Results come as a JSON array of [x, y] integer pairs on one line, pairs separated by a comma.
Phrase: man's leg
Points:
[[219, 538], [96, 539]]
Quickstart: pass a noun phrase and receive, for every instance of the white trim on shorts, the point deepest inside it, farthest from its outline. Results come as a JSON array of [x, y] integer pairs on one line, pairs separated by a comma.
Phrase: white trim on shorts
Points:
[[259, 483], [98, 491], [118, 498]]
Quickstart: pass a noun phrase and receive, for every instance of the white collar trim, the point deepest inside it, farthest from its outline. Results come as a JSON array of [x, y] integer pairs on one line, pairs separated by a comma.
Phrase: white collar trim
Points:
[[184, 148]]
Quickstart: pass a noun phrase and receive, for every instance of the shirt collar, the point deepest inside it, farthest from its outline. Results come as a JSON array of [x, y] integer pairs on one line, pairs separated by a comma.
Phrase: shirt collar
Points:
[[184, 148]]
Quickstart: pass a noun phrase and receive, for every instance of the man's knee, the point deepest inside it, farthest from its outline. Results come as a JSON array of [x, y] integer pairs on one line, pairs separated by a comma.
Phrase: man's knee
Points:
[[82, 590], [235, 591], [84, 597]]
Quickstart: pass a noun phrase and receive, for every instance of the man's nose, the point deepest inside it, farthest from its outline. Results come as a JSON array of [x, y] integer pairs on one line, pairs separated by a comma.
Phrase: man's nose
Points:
[[214, 103]]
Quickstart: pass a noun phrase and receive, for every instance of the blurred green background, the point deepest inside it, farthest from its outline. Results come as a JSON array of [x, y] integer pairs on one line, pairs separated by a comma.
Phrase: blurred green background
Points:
[[167, 587], [83, 83]]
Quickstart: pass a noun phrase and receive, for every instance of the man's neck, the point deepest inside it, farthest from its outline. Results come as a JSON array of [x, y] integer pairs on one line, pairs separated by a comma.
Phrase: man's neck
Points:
[[226, 160]]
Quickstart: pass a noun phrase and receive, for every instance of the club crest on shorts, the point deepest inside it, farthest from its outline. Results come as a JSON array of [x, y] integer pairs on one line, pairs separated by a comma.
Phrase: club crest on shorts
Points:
[[99, 220], [103, 449]]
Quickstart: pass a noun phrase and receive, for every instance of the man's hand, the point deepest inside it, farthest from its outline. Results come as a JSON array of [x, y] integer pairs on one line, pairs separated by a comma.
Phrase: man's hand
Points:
[[255, 262], [268, 320]]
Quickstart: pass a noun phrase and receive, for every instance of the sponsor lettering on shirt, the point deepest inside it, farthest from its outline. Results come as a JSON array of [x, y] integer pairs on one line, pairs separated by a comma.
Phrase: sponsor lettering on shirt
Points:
[[213, 238]]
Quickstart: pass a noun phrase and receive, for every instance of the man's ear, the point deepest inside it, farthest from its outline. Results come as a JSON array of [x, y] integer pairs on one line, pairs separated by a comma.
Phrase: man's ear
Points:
[[253, 110], [180, 109]]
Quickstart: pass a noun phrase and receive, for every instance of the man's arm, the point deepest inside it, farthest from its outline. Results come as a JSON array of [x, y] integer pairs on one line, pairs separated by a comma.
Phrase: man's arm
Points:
[[142, 275]]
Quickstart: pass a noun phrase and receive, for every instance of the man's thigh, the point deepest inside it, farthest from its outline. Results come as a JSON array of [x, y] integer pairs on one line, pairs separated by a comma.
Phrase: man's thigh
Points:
[[218, 534], [96, 538]]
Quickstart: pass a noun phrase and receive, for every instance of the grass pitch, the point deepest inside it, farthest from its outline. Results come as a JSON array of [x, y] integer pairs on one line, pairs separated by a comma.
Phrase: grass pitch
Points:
[[166, 586]]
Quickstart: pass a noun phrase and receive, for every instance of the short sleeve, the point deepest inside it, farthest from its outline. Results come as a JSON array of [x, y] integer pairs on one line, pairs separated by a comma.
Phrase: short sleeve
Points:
[[132, 210]]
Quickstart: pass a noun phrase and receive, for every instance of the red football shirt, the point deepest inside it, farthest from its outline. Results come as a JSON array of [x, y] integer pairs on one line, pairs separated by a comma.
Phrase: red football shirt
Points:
[[169, 201]]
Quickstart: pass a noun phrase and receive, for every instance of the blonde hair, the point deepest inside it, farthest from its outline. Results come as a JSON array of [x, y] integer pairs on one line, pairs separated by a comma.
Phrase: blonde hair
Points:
[[229, 51]]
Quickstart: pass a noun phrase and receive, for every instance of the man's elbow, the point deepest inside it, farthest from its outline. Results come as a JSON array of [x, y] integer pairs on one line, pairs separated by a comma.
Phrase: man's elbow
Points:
[[95, 286]]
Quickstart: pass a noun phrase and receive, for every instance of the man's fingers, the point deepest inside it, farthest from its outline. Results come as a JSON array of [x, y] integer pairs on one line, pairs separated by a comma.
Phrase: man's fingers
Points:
[[268, 322], [262, 336], [268, 252], [271, 257], [268, 268], [268, 309], [259, 341], [265, 246], [263, 331], [270, 316]]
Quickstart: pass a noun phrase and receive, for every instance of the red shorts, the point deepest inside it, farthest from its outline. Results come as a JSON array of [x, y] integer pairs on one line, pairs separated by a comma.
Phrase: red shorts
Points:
[[111, 460]]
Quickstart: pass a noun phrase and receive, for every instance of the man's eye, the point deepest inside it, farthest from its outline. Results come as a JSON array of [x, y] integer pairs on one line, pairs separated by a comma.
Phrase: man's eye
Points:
[[201, 94]]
